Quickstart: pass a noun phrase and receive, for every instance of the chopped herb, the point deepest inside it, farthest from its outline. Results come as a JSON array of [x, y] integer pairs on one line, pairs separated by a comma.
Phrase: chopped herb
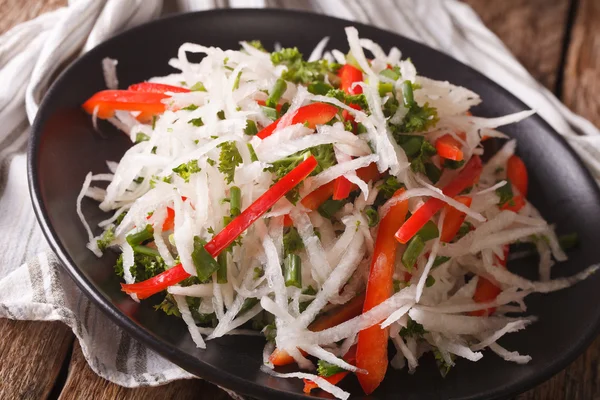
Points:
[[453, 164], [236, 83], [433, 173], [300, 71], [278, 91], [439, 260], [210, 162], [198, 87], [154, 122], [506, 194], [144, 266], [191, 107], [418, 162], [430, 281], [253, 156], [257, 45], [229, 159], [106, 238], [443, 366], [139, 180], [418, 118], [326, 369], [330, 207], [269, 112], [358, 99], [205, 264], [393, 74], [196, 122], [251, 128], [389, 187], [166, 179], [412, 329], [221, 115], [465, 228], [372, 216], [411, 144], [292, 242], [185, 170], [284, 108], [141, 137], [292, 270], [319, 88], [258, 272], [142, 236]]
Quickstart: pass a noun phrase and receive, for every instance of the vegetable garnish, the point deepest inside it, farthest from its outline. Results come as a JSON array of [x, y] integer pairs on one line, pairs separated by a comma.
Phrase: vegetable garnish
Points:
[[229, 233], [331, 205], [371, 353]]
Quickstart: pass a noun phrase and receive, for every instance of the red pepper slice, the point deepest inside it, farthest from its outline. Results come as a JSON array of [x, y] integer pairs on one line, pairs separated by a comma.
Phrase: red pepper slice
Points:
[[486, 291], [348, 76], [371, 351], [229, 233], [448, 147], [312, 114], [454, 219], [342, 188], [151, 87], [516, 171], [109, 101], [465, 178]]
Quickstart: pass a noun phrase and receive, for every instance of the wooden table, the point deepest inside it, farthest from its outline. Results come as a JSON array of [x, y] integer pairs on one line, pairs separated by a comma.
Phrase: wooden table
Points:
[[558, 41]]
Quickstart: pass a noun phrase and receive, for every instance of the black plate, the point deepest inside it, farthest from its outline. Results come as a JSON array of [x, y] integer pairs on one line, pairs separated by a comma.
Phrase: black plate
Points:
[[64, 148]]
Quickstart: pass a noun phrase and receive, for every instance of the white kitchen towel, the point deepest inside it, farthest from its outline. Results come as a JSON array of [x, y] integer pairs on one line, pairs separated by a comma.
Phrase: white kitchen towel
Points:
[[32, 284]]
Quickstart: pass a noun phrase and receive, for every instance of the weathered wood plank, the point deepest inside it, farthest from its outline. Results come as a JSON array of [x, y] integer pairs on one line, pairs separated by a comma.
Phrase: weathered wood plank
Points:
[[83, 383], [581, 81], [32, 354], [17, 11], [533, 30]]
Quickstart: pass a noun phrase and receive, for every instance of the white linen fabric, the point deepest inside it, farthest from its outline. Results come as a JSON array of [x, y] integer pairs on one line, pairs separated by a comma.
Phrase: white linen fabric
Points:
[[32, 283]]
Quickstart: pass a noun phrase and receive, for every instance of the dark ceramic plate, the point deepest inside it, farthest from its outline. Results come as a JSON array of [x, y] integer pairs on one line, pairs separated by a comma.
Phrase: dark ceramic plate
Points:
[[64, 148]]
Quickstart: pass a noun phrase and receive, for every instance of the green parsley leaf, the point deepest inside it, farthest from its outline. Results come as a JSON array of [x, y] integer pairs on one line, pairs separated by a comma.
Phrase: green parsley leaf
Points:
[[141, 137], [300, 71], [198, 87], [257, 45], [505, 193], [413, 329], [197, 122], [372, 216], [358, 99], [191, 107], [251, 128], [106, 238], [229, 159], [186, 169]]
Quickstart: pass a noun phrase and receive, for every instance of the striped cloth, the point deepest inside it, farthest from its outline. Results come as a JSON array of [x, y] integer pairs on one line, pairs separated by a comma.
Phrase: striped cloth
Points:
[[33, 286]]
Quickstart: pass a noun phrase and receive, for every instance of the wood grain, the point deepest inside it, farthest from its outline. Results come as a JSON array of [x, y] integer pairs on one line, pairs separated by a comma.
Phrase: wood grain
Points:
[[581, 82], [533, 30], [83, 383], [32, 354], [16, 11]]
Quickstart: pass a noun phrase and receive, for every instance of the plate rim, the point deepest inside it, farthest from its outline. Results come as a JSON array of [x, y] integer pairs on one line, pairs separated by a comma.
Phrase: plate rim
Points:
[[185, 360]]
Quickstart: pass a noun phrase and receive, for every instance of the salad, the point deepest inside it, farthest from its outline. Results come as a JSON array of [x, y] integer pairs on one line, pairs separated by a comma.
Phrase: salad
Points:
[[336, 204]]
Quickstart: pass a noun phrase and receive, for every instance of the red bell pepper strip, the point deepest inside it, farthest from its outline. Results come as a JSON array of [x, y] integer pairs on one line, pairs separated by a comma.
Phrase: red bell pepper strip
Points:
[[109, 101], [448, 147], [454, 219], [312, 114], [486, 291], [348, 76], [349, 357], [229, 233], [342, 188], [465, 178], [328, 320], [517, 173], [150, 87], [371, 351]]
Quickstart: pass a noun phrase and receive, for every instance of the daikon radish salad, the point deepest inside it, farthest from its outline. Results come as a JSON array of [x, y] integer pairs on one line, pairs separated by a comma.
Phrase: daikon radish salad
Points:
[[336, 204]]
